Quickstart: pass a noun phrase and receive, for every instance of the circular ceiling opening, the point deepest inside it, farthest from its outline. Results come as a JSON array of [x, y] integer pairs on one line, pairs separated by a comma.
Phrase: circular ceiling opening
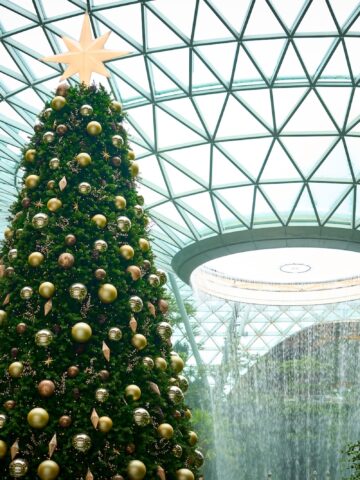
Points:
[[282, 276]]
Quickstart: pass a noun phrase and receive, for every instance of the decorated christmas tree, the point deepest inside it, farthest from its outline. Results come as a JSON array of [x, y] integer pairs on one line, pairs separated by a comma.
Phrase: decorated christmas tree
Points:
[[89, 385]]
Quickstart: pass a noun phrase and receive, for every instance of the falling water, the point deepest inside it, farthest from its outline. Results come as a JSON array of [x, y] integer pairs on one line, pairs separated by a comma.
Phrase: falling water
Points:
[[290, 416]]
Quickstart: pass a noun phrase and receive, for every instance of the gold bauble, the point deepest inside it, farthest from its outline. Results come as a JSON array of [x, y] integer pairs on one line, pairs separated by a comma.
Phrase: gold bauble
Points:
[[120, 202], [16, 369], [136, 304], [32, 181], [134, 169], [58, 102], [183, 383], [153, 280], [46, 388], [38, 126], [48, 470], [101, 395], [30, 155], [165, 430], [47, 289], [18, 468], [86, 110], [144, 245], [19, 232], [105, 424], [107, 293], [100, 220], [175, 394], [70, 240], [184, 474], [12, 254], [131, 155], [188, 414], [54, 163], [115, 106], [198, 458], [26, 293], [81, 442], [65, 421], [40, 220], [54, 204], [177, 451], [162, 276], [160, 363], [84, 188], [3, 449], [134, 271], [124, 224], [47, 112], [127, 252], [148, 363], [50, 184], [83, 159], [44, 337], [100, 274], [81, 332], [9, 272], [38, 418], [35, 259], [133, 391], [116, 161], [115, 334], [3, 318], [49, 137], [78, 291], [139, 341], [136, 470], [66, 260], [117, 140], [73, 371], [94, 128], [139, 211], [100, 245], [192, 438], [8, 233], [164, 330], [177, 364], [141, 417], [3, 419]]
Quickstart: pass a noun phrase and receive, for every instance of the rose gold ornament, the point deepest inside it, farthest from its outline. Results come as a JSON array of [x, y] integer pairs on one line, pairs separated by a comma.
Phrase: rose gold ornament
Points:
[[65, 421], [73, 371], [46, 388], [66, 260]]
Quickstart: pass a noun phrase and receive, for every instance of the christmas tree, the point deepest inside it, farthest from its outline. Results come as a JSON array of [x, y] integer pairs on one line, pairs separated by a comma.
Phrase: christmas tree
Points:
[[89, 385]]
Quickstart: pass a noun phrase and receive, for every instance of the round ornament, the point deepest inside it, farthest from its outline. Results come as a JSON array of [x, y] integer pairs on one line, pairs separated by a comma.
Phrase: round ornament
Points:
[[50, 184], [136, 470], [81, 442], [40, 220], [161, 363], [107, 293], [44, 337], [148, 363], [3, 419], [117, 477], [153, 280], [127, 252], [8, 233], [104, 375], [115, 334], [94, 128], [120, 202], [54, 163], [141, 417], [86, 110], [38, 418], [81, 332], [35, 259], [100, 220], [183, 383], [19, 232], [124, 224], [165, 430], [9, 404], [177, 451], [47, 289], [164, 330], [9, 272], [47, 112], [184, 474], [139, 211], [26, 293], [188, 414], [78, 291], [30, 155], [73, 371], [83, 159], [105, 424], [21, 328], [162, 276], [134, 169], [115, 106], [54, 204], [61, 129], [18, 468], [46, 388], [38, 126], [101, 395], [147, 266], [70, 240], [144, 245], [117, 141], [32, 181], [58, 102], [136, 304], [49, 137], [134, 271], [65, 421], [3, 318], [3, 449], [139, 341], [192, 438], [198, 458], [100, 274], [177, 364], [26, 202], [131, 155], [66, 260], [163, 306], [48, 470], [133, 391], [12, 255], [62, 89], [175, 394], [116, 161], [84, 188]]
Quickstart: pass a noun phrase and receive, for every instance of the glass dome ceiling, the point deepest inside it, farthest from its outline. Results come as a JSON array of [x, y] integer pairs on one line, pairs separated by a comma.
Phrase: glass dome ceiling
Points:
[[243, 114]]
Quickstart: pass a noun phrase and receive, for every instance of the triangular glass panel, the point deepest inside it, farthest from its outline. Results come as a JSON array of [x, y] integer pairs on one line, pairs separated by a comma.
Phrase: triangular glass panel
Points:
[[291, 67], [266, 54], [28, 5], [208, 25], [170, 132], [134, 70], [304, 210], [200, 204], [288, 11], [263, 20], [141, 118], [124, 16], [285, 101], [282, 197], [9, 83], [354, 114], [178, 69], [357, 207], [180, 13], [337, 67], [313, 51], [317, 19], [259, 102], [245, 69], [115, 41], [334, 167], [352, 47], [355, 27], [326, 196], [343, 10], [220, 57], [150, 195], [263, 214], [310, 117], [184, 109], [249, 154], [353, 148], [170, 215], [195, 160], [151, 174], [162, 83], [8, 62], [224, 172], [237, 121], [241, 199], [343, 215], [355, 129], [38, 68], [200, 226], [227, 218], [158, 34], [278, 166], [179, 182], [210, 107], [11, 20], [127, 92], [307, 151], [337, 101], [233, 12], [201, 76]]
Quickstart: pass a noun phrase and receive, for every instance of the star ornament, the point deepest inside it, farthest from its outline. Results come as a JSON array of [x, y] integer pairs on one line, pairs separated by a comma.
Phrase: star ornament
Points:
[[85, 56]]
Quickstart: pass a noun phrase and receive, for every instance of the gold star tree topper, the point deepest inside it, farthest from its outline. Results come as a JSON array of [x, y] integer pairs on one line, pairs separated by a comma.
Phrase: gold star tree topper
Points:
[[85, 56]]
